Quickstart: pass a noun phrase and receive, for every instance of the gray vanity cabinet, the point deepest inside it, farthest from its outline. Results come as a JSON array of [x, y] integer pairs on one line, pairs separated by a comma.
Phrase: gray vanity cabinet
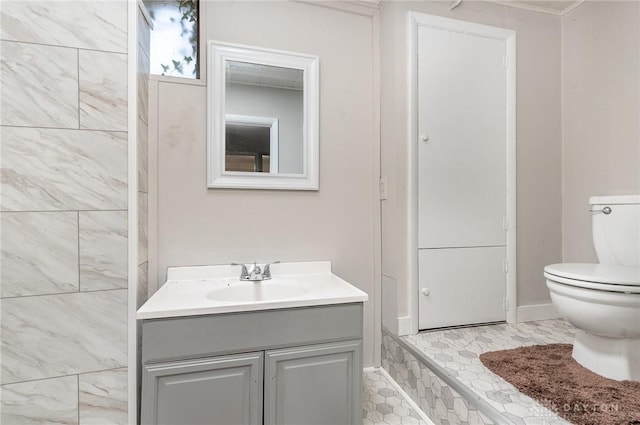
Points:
[[225, 390], [315, 385], [297, 366]]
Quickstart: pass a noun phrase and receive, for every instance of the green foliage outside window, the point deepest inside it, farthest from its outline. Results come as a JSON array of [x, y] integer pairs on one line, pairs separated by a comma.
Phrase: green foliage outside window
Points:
[[174, 39]]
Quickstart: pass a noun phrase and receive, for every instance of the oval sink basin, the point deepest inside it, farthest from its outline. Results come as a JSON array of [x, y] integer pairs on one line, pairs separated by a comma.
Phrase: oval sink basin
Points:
[[257, 292]]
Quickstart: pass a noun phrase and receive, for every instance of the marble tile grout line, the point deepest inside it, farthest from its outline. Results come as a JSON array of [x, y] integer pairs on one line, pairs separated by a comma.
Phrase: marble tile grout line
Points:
[[59, 211], [79, 256], [78, 378], [40, 127], [26, 381], [88, 291], [61, 46], [78, 81]]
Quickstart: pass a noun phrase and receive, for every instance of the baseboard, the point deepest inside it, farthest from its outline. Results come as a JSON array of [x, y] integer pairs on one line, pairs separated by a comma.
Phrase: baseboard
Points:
[[404, 326], [530, 313]]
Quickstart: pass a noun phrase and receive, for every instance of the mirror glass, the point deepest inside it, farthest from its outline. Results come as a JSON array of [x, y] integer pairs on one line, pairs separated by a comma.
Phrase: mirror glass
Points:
[[262, 118]]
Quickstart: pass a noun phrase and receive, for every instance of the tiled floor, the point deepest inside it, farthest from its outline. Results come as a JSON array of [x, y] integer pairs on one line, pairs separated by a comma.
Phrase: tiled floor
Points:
[[382, 404], [458, 350]]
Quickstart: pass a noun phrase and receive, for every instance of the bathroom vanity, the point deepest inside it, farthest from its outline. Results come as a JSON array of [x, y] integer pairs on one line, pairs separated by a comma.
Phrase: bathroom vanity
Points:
[[218, 350]]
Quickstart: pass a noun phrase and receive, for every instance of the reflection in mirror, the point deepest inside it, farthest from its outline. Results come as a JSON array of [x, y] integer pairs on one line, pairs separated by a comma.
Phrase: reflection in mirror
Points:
[[251, 144], [257, 97], [262, 120]]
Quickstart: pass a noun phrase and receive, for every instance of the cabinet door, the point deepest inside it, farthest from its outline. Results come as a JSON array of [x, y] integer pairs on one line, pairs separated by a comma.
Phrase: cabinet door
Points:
[[214, 391], [314, 385], [461, 286]]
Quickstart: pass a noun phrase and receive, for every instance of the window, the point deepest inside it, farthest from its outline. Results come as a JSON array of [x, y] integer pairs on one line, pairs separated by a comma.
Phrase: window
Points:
[[175, 37]]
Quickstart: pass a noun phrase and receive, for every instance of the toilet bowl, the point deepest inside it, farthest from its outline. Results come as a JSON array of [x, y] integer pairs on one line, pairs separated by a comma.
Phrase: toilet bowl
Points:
[[603, 300]]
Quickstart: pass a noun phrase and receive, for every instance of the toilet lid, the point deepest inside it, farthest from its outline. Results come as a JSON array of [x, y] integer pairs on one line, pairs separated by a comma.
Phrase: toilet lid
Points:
[[596, 273]]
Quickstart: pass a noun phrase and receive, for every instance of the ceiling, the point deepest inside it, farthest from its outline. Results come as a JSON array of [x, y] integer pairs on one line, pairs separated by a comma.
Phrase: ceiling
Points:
[[558, 7]]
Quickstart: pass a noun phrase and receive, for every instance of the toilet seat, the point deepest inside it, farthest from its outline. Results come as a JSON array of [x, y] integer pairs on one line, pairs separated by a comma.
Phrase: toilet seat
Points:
[[602, 277]]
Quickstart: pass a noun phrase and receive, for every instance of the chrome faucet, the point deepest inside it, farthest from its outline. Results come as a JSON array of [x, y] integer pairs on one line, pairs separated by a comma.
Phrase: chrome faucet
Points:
[[256, 273]]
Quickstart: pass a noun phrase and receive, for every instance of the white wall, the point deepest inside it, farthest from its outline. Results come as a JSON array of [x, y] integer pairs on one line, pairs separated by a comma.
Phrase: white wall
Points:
[[197, 225], [600, 113], [284, 104], [538, 143]]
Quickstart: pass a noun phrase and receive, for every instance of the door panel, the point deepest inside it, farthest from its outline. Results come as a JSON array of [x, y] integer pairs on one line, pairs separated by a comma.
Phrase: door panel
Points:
[[465, 286], [462, 166], [215, 391], [314, 385], [462, 187]]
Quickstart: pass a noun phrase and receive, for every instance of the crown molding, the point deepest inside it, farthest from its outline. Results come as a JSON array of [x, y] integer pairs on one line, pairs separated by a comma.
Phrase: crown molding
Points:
[[358, 7], [540, 9]]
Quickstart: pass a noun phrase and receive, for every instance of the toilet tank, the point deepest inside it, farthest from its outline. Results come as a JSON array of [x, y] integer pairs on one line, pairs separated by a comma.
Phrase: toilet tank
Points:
[[616, 236]]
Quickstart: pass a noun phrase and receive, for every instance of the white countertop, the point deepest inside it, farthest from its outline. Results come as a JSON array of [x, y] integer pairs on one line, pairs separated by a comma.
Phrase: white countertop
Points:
[[192, 291]]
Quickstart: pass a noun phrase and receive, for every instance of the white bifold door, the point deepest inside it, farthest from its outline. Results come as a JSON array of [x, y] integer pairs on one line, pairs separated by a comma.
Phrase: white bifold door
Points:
[[462, 178]]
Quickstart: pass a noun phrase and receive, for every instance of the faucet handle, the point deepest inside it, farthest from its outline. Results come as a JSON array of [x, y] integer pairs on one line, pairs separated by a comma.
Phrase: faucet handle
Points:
[[266, 270], [244, 273]]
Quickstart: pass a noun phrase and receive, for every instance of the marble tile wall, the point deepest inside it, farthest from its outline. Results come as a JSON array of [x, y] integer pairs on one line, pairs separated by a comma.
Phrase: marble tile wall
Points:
[[143, 152], [142, 90], [54, 335], [27, 268], [43, 401], [45, 79], [99, 109], [54, 169], [103, 250], [63, 212], [103, 397], [89, 25]]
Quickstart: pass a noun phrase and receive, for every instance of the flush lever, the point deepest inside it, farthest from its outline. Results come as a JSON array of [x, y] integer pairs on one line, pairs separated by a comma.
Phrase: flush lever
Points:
[[605, 211]]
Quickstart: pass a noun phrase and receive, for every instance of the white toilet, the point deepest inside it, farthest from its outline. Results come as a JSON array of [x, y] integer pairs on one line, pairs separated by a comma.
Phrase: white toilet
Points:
[[603, 300]]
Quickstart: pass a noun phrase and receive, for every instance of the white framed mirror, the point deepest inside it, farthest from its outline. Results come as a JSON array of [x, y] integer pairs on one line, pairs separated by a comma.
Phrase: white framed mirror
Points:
[[262, 118]]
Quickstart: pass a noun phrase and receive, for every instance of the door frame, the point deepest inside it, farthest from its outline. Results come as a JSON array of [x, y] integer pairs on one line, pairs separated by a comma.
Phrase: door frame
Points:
[[415, 21]]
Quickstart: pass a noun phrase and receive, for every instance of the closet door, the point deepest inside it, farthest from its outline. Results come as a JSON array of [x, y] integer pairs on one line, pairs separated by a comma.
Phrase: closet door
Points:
[[462, 176]]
